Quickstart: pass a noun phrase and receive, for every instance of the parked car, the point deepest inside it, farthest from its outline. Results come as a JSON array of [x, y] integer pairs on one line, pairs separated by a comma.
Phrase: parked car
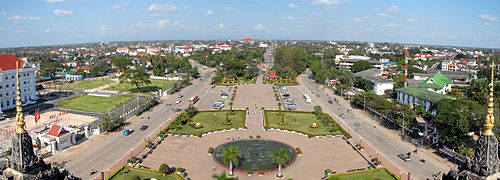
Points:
[[283, 88], [286, 95], [218, 105], [288, 100], [177, 101], [404, 156], [342, 115], [291, 107], [178, 110], [330, 101], [224, 95], [336, 100], [180, 95], [144, 127], [127, 132]]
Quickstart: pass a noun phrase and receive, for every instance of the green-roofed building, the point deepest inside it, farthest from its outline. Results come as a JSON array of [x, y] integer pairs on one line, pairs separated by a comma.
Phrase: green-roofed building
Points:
[[437, 83], [412, 95]]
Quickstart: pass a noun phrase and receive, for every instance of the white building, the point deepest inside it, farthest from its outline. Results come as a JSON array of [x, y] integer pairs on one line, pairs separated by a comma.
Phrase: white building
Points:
[[413, 96], [8, 82], [122, 50], [73, 77], [57, 138], [380, 86]]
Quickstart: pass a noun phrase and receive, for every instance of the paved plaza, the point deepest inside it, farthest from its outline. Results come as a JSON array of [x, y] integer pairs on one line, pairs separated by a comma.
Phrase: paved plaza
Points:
[[318, 154]]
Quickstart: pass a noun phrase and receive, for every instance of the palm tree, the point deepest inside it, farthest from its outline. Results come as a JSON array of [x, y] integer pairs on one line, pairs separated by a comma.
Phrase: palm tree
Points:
[[280, 157], [222, 176], [231, 155]]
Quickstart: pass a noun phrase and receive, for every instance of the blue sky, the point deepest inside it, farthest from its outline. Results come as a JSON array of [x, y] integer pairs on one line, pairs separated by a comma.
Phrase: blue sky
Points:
[[441, 22]]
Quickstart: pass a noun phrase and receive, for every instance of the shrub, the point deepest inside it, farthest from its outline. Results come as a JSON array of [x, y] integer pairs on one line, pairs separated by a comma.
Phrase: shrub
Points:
[[164, 169], [297, 149], [358, 145], [261, 172], [134, 158], [249, 172], [299, 152], [211, 150], [328, 170], [258, 137], [130, 161], [251, 137], [131, 177], [179, 169]]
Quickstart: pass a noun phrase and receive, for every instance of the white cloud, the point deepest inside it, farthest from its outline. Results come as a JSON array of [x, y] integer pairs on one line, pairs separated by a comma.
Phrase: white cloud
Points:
[[161, 23], [453, 37], [489, 17], [162, 8], [258, 27], [1, 29], [55, 1], [229, 8], [362, 19], [392, 9], [293, 6], [103, 27], [18, 19], [4, 13], [289, 18], [383, 15], [487, 23], [209, 13], [19, 31], [411, 20], [221, 25], [329, 2], [394, 25], [47, 30], [60, 12], [122, 6]]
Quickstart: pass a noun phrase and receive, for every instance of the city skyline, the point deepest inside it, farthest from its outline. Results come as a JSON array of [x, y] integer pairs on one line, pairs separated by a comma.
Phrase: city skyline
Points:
[[52, 22]]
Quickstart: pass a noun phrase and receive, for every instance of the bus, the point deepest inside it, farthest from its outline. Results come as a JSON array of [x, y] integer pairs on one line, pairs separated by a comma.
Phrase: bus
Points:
[[307, 98], [193, 99]]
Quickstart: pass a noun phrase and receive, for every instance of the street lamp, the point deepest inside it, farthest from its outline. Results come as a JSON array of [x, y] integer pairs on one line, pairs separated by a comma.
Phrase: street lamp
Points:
[[364, 102], [403, 126]]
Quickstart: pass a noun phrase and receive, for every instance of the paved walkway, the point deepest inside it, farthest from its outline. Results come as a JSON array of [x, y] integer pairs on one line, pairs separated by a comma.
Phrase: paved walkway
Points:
[[318, 154]]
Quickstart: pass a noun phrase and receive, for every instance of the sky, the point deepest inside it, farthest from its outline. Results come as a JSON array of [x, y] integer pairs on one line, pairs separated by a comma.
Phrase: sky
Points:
[[434, 22]]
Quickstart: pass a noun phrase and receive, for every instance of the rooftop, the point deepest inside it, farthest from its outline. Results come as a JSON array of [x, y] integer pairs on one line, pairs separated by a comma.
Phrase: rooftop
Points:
[[438, 81], [8, 62], [424, 94], [373, 76]]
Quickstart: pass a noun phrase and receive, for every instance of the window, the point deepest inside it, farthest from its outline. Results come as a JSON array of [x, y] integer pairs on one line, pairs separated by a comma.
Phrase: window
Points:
[[7, 94], [13, 101], [12, 77], [13, 85], [0, 86], [24, 82], [6, 77], [7, 86], [24, 75], [8, 103], [1, 95]]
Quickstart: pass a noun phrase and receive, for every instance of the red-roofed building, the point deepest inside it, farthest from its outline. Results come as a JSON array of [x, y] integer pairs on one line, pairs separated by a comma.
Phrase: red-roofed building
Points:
[[57, 138], [8, 82], [424, 56]]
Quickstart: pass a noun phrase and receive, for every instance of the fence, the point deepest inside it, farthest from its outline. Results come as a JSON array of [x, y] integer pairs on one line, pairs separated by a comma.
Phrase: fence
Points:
[[370, 153], [134, 152]]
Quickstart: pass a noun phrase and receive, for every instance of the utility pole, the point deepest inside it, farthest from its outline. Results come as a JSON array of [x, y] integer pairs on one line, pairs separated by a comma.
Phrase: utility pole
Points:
[[364, 102], [406, 67], [403, 127]]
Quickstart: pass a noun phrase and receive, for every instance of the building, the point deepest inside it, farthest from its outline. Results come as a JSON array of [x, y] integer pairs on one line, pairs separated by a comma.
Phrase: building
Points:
[[349, 62], [380, 86], [412, 95], [384, 60], [437, 83], [57, 138], [122, 50], [8, 82]]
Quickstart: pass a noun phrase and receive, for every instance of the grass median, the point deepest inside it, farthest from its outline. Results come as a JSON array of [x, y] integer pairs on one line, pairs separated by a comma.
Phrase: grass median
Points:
[[301, 122], [127, 173], [380, 173], [210, 121], [96, 104]]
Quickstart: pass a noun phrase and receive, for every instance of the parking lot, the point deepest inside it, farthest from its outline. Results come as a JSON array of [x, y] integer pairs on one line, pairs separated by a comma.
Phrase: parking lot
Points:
[[207, 100], [296, 94]]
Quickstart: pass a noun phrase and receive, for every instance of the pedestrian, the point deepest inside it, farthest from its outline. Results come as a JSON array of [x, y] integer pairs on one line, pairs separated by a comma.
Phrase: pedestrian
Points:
[[238, 136]]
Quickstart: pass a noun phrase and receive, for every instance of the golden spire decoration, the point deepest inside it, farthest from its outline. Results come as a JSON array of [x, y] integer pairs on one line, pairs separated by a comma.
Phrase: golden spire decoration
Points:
[[490, 118], [19, 116]]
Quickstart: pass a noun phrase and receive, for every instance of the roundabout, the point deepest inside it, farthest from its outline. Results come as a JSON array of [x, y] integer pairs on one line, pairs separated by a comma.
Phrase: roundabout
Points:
[[255, 155]]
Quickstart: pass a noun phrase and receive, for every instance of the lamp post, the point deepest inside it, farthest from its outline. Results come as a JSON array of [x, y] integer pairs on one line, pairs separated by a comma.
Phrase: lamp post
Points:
[[364, 102]]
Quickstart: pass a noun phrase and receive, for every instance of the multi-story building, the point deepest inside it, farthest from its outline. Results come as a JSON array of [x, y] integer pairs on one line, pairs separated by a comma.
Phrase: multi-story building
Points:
[[8, 82]]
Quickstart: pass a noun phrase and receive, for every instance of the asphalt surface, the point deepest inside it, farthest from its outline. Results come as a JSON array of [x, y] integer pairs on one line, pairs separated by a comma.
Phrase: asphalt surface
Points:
[[385, 143]]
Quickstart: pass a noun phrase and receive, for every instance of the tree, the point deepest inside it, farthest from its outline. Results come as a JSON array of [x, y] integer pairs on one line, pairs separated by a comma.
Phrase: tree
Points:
[[100, 68], [361, 66], [231, 156], [346, 77], [122, 63], [420, 109], [106, 125], [135, 77], [317, 110], [164, 169], [191, 111], [222, 176], [280, 157], [51, 69], [364, 84], [195, 72], [456, 118]]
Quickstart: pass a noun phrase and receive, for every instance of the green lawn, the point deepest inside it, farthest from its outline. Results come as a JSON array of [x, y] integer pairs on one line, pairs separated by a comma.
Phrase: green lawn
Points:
[[381, 173], [86, 84], [142, 174], [212, 121], [95, 103], [300, 122], [150, 88]]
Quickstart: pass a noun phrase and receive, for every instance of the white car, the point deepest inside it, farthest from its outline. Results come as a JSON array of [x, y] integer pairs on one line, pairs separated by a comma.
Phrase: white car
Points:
[[177, 101]]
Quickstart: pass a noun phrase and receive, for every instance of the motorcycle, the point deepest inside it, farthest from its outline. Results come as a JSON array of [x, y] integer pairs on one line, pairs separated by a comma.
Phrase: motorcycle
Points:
[[423, 160], [92, 172]]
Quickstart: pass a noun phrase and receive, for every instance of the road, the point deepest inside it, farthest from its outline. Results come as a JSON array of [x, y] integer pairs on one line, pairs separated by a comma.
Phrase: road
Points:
[[101, 151], [377, 136], [268, 56]]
